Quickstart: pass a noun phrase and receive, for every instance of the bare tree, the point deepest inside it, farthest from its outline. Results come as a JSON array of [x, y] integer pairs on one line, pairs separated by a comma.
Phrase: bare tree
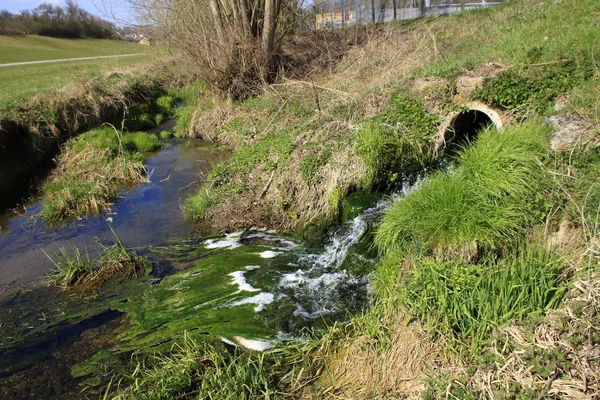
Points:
[[234, 43]]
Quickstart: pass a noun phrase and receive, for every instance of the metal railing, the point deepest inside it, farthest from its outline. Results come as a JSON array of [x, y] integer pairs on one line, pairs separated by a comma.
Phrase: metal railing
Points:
[[330, 14]]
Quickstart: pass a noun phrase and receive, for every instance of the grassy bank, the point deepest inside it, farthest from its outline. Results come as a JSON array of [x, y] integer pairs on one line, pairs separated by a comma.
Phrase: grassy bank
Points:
[[20, 83], [486, 278], [24, 82], [371, 121], [90, 170], [35, 127], [486, 285]]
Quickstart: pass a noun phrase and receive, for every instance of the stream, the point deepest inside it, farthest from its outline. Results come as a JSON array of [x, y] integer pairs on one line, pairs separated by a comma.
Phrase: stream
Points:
[[251, 289]]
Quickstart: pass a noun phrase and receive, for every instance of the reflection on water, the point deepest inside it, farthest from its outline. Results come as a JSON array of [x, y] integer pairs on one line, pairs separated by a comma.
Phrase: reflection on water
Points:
[[144, 216]]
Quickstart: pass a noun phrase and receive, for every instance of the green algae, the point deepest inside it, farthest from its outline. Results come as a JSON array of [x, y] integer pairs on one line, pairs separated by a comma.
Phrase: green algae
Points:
[[355, 204], [199, 301]]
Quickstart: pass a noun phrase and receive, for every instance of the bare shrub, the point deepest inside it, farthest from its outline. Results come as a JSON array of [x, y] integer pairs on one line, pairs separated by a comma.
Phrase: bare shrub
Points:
[[234, 44]]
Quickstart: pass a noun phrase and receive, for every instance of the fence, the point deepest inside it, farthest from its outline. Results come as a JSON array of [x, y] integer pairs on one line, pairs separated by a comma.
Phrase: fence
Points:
[[341, 13]]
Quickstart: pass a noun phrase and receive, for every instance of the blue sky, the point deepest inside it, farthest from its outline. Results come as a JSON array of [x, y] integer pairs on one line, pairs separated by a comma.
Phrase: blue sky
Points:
[[101, 8]]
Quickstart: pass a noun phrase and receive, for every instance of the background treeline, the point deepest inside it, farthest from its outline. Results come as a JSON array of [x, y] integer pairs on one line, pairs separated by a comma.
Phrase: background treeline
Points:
[[46, 19]]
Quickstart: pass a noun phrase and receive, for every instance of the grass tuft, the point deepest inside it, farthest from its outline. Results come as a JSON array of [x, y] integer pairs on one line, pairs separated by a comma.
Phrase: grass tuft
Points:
[[78, 271], [90, 170], [396, 141], [464, 302], [486, 201]]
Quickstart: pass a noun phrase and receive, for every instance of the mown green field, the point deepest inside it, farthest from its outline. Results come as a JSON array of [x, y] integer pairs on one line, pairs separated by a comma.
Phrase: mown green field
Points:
[[20, 83], [36, 48]]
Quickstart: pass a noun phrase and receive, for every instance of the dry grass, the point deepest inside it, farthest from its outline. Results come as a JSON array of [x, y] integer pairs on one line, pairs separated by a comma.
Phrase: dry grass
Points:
[[277, 197], [391, 55], [582, 379], [86, 182], [364, 369], [323, 112]]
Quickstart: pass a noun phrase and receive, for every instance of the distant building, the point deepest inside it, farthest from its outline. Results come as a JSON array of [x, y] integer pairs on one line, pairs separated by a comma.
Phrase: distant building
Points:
[[334, 19], [331, 14]]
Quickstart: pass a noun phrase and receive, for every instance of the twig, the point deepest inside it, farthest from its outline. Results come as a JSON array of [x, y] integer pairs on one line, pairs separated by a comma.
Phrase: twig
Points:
[[547, 63], [166, 179], [435, 49], [262, 194], [316, 97], [594, 59], [551, 379]]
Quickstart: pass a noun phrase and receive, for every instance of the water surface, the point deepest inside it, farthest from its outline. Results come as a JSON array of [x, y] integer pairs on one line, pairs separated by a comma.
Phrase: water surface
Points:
[[146, 215]]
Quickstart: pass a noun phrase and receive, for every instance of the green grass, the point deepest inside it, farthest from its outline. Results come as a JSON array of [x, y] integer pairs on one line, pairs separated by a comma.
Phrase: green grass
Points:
[[91, 169], [486, 202], [395, 141], [522, 34], [74, 270], [69, 268], [207, 371], [36, 48], [268, 153], [107, 138], [21, 83], [464, 302]]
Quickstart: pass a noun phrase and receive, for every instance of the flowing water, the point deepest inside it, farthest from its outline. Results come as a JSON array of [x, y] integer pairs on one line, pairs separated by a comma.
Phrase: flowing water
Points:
[[143, 216], [251, 288]]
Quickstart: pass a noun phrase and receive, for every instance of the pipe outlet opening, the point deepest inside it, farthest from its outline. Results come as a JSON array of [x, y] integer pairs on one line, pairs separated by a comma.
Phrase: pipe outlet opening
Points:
[[465, 127], [462, 128]]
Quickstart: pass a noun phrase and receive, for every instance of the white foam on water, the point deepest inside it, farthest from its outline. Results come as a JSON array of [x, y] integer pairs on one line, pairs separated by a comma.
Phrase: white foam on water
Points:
[[287, 337], [269, 254], [227, 341], [240, 280], [252, 267], [231, 241], [302, 313], [260, 300], [292, 279], [253, 344]]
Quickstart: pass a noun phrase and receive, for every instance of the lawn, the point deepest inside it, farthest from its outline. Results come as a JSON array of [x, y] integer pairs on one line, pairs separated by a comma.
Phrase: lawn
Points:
[[20, 83], [35, 48]]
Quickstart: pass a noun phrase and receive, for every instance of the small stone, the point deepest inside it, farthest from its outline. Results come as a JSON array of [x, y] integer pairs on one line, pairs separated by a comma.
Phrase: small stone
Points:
[[466, 85], [569, 130]]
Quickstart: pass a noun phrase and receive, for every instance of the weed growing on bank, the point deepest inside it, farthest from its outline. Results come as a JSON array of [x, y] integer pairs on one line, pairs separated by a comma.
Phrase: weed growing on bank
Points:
[[269, 153], [485, 201], [149, 114], [514, 313], [91, 169], [207, 370], [186, 102], [74, 270], [395, 142], [464, 303]]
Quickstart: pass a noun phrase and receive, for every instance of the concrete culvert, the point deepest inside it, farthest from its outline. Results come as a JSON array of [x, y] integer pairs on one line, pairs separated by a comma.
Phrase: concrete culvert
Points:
[[460, 128], [465, 127]]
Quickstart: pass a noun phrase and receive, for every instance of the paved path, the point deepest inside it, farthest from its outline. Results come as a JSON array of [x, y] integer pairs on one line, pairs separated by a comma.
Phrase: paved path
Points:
[[67, 59]]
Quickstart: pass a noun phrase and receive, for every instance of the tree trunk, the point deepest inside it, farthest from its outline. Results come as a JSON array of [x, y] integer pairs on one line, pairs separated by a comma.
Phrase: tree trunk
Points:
[[268, 33], [214, 9], [245, 16]]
